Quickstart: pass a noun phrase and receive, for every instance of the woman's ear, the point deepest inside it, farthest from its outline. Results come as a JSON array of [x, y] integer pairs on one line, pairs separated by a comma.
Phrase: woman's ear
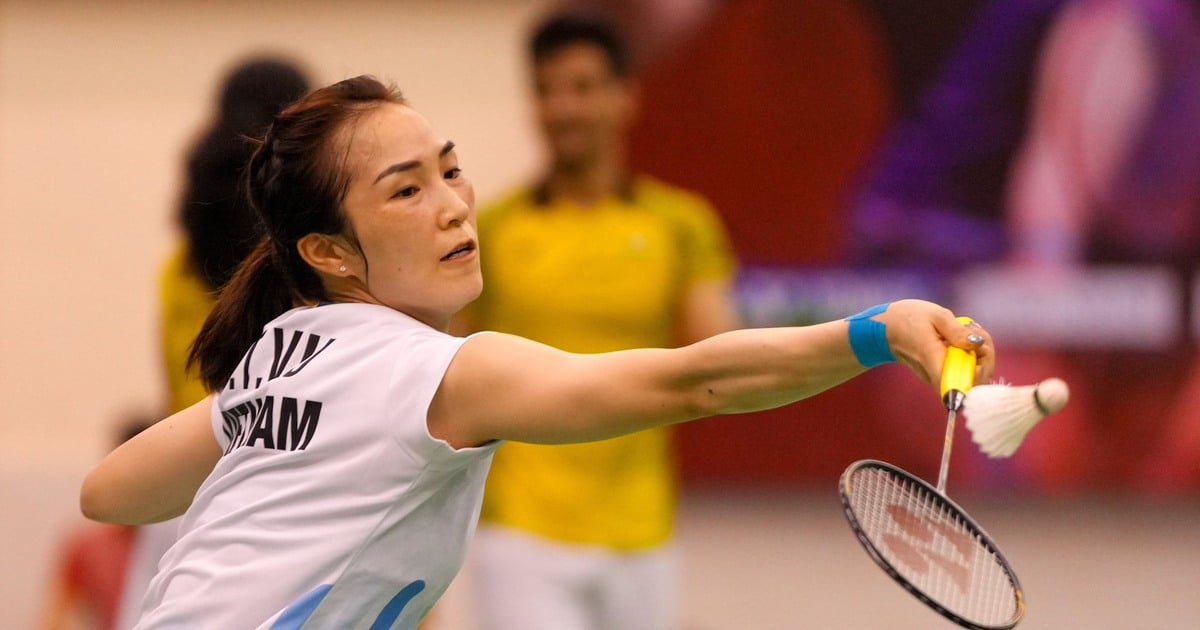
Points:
[[327, 254]]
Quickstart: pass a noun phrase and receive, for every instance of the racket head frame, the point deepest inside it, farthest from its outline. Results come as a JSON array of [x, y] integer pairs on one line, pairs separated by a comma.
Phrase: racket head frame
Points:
[[845, 489]]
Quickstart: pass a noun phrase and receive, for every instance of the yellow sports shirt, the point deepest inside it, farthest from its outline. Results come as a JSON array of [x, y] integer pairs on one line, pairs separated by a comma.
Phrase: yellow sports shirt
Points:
[[185, 301], [596, 279]]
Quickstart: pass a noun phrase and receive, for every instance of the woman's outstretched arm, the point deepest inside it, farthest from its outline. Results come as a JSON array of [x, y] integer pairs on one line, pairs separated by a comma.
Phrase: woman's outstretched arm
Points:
[[505, 387]]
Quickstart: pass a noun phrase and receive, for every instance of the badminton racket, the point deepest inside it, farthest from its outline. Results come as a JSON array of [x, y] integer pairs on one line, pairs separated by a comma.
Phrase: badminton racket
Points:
[[925, 541]]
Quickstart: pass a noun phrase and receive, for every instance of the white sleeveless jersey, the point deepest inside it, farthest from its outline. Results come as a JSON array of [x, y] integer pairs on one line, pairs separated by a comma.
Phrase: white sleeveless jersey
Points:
[[332, 507]]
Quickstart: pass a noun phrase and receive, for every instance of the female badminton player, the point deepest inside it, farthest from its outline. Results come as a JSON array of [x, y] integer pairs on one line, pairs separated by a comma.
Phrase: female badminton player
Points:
[[334, 478]]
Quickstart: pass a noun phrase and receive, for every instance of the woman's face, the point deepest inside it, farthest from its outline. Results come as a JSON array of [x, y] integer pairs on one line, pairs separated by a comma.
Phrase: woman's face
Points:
[[413, 214]]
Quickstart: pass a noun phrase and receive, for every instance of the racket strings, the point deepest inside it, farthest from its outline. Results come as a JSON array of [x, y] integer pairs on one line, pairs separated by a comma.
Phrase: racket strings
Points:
[[933, 547]]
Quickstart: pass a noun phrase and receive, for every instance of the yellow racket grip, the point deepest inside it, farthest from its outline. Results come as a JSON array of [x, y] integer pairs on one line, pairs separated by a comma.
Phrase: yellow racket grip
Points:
[[958, 374]]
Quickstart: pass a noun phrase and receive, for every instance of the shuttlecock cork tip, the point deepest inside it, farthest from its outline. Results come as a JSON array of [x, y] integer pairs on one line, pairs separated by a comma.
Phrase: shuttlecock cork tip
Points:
[[1051, 395]]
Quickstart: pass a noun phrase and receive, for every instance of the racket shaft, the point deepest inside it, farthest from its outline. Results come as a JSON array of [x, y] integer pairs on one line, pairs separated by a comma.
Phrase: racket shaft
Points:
[[950, 419]]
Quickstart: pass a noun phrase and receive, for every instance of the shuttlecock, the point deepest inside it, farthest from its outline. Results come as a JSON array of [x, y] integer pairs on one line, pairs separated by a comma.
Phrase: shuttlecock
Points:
[[1000, 416]]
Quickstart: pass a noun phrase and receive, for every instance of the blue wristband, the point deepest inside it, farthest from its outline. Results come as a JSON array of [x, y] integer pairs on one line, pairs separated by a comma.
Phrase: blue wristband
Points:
[[868, 338]]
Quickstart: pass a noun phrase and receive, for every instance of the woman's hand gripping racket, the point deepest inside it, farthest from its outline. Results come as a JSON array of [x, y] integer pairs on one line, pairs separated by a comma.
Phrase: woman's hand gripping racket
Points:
[[924, 540]]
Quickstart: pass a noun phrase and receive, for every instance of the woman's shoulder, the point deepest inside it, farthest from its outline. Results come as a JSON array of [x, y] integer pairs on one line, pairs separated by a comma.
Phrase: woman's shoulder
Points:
[[377, 322], [350, 338]]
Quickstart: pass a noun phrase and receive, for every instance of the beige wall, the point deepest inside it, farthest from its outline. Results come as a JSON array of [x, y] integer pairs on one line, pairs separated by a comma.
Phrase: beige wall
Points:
[[98, 102]]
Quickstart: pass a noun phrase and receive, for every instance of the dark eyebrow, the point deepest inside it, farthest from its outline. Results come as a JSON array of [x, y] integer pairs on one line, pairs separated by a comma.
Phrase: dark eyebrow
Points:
[[411, 164]]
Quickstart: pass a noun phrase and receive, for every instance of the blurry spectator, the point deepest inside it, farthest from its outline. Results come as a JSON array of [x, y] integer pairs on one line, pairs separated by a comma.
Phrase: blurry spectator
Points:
[[935, 199], [90, 572], [1060, 134], [219, 229], [1109, 172], [590, 258], [935, 195], [1110, 168]]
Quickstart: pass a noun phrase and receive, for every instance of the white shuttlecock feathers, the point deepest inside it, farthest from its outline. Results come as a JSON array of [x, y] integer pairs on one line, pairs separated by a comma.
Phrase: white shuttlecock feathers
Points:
[[1000, 416]]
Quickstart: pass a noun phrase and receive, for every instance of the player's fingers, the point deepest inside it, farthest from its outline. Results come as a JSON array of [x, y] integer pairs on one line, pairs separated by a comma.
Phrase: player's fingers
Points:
[[985, 356], [919, 331], [972, 336]]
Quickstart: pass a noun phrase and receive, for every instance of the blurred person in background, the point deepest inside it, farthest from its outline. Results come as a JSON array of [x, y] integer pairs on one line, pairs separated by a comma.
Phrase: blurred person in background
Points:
[[220, 229], [934, 195], [935, 199], [1109, 174], [1059, 135], [89, 575], [590, 258]]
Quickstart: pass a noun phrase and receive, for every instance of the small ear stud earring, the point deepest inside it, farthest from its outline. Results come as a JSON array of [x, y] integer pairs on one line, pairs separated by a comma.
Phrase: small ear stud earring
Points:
[[342, 269]]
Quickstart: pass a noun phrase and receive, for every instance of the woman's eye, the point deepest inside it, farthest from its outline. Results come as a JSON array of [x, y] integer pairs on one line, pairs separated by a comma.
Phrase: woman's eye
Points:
[[453, 173], [407, 191]]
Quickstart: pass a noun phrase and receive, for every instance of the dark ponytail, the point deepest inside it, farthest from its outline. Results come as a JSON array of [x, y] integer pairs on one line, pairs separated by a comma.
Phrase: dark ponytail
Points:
[[253, 296], [296, 182]]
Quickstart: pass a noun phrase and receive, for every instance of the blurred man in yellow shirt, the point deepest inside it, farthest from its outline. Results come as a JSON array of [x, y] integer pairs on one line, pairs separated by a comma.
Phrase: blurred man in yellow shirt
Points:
[[591, 258]]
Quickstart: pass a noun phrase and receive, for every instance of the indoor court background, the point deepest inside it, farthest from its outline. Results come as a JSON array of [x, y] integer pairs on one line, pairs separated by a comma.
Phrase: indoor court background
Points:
[[98, 102]]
